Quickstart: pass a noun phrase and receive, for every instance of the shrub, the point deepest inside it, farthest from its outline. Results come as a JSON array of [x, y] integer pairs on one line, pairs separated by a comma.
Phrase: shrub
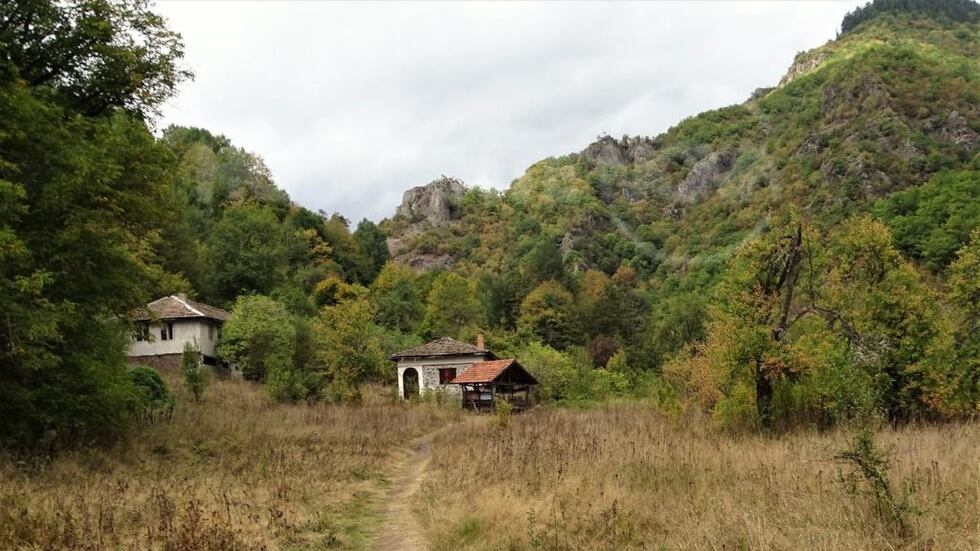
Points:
[[871, 463], [153, 398], [196, 375], [502, 413]]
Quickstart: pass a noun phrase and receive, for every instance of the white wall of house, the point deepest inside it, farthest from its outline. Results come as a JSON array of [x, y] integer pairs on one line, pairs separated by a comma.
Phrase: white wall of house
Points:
[[428, 370], [186, 330]]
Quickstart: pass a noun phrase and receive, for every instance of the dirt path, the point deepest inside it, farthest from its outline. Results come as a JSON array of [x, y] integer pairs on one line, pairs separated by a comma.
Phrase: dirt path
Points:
[[399, 530]]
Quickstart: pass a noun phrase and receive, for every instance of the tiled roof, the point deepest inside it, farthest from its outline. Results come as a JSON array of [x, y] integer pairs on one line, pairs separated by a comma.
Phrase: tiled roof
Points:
[[444, 346], [483, 372], [174, 307]]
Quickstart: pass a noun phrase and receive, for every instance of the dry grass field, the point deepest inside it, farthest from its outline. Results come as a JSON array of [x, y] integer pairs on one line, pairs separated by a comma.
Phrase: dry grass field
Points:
[[236, 471], [623, 477]]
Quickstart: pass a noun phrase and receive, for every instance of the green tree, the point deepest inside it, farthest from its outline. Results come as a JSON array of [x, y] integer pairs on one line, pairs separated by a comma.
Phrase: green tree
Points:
[[96, 55], [964, 283], [932, 221], [395, 298], [349, 347], [246, 253], [84, 193], [451, 306], [374, 246], [259, 337], [196, 375]]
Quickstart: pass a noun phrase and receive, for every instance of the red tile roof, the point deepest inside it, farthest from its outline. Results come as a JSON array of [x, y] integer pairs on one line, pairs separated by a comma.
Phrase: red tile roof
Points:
[[483, 372], [175, 307]]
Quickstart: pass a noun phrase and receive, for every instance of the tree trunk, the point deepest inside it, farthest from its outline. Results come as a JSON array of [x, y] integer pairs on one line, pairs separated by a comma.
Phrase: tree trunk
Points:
[[763, 395]]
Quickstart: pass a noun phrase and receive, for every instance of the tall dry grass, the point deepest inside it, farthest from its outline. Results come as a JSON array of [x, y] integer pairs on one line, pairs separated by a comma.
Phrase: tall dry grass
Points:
[[623, 477], [236, 471]]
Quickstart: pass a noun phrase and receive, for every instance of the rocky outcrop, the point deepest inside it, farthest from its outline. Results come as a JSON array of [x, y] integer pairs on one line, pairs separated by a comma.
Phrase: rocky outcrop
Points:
[[435, 202], [759, 93], [610, 151], [802, 64], [705, 176], [956, 130]]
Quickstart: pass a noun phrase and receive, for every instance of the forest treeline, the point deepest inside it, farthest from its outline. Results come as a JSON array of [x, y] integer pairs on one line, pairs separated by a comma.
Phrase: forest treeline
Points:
[[832, 272]]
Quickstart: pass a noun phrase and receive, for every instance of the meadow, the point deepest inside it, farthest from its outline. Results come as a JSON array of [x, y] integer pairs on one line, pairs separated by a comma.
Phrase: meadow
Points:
[[240, 471], [625, 477], [235, 471]]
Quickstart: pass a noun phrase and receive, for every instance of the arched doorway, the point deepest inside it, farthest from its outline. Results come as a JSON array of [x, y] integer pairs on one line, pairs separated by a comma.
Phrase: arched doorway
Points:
[[410, 383]]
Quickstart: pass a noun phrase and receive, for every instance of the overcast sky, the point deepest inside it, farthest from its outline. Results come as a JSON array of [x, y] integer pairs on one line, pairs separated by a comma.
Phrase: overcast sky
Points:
[[352, 104]]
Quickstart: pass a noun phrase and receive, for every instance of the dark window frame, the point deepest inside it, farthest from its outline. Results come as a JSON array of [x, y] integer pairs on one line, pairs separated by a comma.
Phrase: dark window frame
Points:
[[447, 375], [167, 331]]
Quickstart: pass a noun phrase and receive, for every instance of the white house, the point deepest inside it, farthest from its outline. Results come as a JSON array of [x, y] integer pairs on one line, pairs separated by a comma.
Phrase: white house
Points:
[[165, 325], [435, 365]]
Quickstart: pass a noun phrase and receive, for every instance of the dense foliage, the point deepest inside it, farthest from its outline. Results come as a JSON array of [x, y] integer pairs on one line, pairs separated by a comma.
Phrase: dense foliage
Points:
[[668, 253], [957, 10], [807, 256]]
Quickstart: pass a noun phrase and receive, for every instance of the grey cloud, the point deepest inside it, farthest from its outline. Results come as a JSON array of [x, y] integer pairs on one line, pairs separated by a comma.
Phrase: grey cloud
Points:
[[351, 104]]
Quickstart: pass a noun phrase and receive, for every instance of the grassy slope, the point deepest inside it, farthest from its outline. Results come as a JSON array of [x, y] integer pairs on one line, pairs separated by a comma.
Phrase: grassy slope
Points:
[[236, 471], [623, 477]]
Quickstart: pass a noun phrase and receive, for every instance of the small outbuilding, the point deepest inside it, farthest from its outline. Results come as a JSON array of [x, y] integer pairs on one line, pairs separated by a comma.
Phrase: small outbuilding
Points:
[[486, 383], [433, 366], [462, 369]]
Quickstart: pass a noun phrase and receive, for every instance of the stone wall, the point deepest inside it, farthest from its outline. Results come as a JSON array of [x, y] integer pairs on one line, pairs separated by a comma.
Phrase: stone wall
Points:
[[430, 377], [428, 370], [166, 363], [170, 363]]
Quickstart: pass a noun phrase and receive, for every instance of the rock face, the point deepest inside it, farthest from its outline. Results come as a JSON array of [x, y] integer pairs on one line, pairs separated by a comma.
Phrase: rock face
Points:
[[610, 151], [705, 176], [958, 131], [804, 63], [435, 202]]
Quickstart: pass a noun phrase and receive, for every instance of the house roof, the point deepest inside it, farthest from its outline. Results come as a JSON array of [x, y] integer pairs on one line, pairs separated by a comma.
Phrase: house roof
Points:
[[175, 307], [444, 346], [490, 371]]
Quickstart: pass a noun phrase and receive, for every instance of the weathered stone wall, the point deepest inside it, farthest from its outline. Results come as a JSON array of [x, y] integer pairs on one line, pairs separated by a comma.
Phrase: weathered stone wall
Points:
[[166, 363], [428, 370], [170, 363], [430, 377]]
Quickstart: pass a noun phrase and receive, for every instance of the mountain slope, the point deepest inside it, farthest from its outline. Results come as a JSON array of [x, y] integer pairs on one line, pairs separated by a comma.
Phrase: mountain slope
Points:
[[883, 108], [878, 110]]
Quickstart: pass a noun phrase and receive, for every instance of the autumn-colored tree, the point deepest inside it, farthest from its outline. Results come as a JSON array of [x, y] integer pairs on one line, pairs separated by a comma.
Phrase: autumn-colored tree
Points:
[[548, 312], [793, 310]]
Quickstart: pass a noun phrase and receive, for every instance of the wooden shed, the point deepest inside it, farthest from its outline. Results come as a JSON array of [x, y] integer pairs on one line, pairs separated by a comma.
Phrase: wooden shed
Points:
[[485, 383]]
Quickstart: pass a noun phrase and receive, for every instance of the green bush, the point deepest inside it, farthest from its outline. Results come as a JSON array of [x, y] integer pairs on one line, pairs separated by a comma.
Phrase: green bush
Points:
[[153, 398], [196, 375]]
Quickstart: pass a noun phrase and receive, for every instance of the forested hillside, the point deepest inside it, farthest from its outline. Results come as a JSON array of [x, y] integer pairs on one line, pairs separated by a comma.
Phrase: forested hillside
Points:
[[810, 255], [810, 248]]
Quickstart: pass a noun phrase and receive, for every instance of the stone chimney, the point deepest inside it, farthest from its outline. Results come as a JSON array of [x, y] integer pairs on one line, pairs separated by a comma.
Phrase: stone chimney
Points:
[[182, 296], [479, 342]]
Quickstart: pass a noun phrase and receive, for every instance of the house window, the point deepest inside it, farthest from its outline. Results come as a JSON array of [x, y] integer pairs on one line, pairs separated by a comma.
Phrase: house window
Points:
[[446, 375], [211, 332], [167, 331], [142, 332]]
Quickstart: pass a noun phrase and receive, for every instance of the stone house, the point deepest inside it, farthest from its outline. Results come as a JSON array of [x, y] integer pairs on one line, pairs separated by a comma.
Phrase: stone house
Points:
[[434, 366], [165, 325]]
